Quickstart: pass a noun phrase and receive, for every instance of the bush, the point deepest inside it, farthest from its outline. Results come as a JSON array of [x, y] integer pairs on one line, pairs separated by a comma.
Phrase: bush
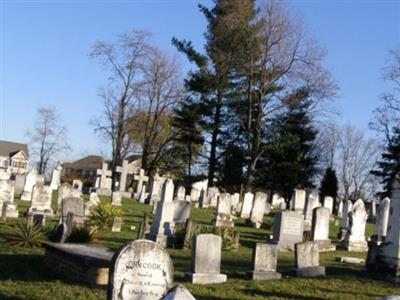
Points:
[[102, 215], [80, 235], [226, 233], [24, 235]]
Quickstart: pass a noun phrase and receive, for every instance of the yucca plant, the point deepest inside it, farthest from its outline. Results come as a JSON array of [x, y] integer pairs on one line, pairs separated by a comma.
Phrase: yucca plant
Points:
[[103, 214], [24, 234]]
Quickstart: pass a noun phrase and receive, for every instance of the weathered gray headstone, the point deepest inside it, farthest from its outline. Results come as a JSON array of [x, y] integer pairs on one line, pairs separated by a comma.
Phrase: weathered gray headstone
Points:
[[328, 203], [180, 193], [288, 229], [382, 219], [178, 293], [93, 201], [182, 211], [75, 206], [320, 228], [258, 210], [19, 183], [30, 180], [66, 190], [116, 199], [206, 260], [140, 270], [41, 200], [77, 185], [224, 216], [212, 195], [265, 257], [247, 205], [307, 260], [299, 199]]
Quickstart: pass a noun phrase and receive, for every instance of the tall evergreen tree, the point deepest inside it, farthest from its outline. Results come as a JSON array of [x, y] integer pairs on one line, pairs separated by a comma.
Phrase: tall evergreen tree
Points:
[[329, 186], [389, 165], [290, 158]]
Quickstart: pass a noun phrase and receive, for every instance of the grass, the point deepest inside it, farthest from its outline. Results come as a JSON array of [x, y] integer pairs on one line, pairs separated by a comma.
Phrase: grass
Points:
[[23, 275]]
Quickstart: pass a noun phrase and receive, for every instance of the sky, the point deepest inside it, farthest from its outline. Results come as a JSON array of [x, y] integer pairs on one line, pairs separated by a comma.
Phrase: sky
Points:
[[44, 59]]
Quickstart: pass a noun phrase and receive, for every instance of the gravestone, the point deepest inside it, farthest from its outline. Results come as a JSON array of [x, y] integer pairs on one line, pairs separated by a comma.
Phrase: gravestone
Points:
[[235, 199], [41, 200], [224, 216], [195, 195], [180, 193], [347, 207], [30, 180], [116, 199], [206, 260], [103, 186], [181, 211], [212, 195], [278, 202], [156, 185], [140, 270], [299, 199], [328, 203], [55, 178], [258, 210], [386, 257], [247, 205], [320, 229], [66, 190], [163, 224], [93, 201], [19, 183], [143, 194], [178, 293], [77, 185], [9, 210], [340, 209], [287, 229], [355, 237], [124, 171], [117, 224], [312, 202], [75, 206], [382, 219], [307, 260], [6, 191], [265, 257], [141, 179]]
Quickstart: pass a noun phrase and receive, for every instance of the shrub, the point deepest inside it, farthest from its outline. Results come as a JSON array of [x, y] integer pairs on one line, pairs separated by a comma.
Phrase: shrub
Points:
[[103, 214], [23, 234], [80, 235], [226, 233]]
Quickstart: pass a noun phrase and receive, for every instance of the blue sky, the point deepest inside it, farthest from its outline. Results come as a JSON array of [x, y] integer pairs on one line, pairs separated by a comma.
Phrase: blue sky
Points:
[[44, 59]]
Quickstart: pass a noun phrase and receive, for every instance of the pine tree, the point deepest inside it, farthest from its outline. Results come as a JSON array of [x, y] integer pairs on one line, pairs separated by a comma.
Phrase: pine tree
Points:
[[329, 185], [290, 158], [389, 165]]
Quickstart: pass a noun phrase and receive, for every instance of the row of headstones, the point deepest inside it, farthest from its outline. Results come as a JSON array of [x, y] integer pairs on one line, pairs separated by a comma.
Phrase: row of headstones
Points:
[[142, 269]]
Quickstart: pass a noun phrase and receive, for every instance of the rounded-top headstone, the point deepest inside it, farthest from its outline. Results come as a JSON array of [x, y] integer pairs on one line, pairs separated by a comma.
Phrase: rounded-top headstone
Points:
[[141, 269]]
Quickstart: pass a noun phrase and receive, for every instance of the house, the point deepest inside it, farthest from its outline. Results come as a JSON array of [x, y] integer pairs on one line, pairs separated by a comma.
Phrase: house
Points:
[[14, 157], [86, 168]]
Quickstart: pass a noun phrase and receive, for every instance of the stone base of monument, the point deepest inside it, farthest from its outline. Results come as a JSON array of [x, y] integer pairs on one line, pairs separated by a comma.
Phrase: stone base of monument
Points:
[[316, 271], [224, 223], [161, 239], [263, 275], [205, 278], [360, 246], [380, 266], [178, 293], [125, 194], [45, 212], [79, 262], [325, 245]]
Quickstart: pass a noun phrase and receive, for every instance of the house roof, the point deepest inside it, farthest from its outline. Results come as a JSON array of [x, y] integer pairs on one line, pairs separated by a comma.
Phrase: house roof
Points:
[[133, 157], [10, 148], [88, 162]]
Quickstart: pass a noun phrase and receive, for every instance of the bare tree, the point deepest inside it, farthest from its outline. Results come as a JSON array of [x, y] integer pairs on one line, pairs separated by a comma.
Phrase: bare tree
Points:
[[387, 115], [162, 90], [125, 60], [355, 158], [285, 60], [48, 138]]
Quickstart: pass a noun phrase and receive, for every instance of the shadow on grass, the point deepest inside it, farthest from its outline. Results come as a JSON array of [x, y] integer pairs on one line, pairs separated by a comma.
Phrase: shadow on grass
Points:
[[257, 292], [4, 297]]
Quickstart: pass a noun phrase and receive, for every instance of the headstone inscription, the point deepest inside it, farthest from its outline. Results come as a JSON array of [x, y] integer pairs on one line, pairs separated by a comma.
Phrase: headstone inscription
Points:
[[307, 260], [206, 259], [140, 270], [287, 229], [41, 200], [265, 257]]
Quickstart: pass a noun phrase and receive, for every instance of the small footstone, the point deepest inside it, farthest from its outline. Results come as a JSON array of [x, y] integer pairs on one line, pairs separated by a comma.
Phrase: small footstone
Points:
[[307, 260], [178, 293]]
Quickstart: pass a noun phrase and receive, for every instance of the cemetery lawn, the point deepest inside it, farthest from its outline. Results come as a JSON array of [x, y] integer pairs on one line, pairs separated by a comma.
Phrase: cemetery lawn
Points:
[[23, 276]]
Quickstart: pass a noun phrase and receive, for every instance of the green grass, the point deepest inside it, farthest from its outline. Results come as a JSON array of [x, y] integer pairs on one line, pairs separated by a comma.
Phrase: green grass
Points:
[[23, 276]]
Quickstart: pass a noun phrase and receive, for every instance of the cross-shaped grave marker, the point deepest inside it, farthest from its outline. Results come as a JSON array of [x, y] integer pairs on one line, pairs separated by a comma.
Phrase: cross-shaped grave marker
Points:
[[141, 178], [104, 173], [125, 171]]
